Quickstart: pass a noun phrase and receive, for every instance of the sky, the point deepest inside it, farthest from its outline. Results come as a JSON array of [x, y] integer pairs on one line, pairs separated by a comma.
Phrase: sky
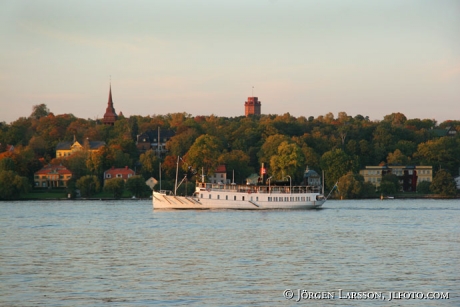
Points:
[[203, 57]]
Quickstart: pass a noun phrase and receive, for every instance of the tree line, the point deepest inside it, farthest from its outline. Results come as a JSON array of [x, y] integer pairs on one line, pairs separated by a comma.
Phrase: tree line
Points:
[[340, 146]]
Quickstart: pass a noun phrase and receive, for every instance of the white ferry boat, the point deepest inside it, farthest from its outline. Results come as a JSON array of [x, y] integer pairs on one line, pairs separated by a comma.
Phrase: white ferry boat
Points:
[[242, 197]]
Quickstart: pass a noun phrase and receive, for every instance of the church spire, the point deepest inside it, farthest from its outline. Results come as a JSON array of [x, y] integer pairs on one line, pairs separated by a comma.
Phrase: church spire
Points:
[[110, 115]]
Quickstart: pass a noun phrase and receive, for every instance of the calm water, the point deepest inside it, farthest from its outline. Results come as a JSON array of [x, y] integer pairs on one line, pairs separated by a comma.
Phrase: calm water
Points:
[[73, 253]]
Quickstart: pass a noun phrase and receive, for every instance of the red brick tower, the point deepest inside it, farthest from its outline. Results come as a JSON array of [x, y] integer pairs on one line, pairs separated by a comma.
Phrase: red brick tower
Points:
[[252, 106], [110, 115]]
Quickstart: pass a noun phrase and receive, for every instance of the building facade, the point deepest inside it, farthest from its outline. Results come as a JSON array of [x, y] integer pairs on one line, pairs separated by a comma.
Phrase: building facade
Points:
[[65, 149], [409, 176], [252, 106], [219, 176], [155, 140], [52, 176], [311, 178]]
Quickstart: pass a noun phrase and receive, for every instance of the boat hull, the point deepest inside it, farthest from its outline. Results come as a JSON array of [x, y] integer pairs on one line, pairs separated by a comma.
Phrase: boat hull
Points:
[[163, 201]]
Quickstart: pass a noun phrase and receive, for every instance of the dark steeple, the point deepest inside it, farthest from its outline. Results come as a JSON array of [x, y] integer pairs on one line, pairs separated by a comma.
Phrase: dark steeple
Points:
[[110, 115]]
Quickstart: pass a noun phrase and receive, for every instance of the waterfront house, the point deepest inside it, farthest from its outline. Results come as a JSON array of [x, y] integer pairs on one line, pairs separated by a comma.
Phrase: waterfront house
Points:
[[123, 173], [52, 176]]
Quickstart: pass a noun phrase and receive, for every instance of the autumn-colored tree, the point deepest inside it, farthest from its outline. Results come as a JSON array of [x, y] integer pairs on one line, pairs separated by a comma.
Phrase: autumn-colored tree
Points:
[[397, 158], [350, 186]]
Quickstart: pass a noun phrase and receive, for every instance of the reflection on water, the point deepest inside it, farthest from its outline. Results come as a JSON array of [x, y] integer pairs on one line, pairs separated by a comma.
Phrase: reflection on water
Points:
[[73, 253]]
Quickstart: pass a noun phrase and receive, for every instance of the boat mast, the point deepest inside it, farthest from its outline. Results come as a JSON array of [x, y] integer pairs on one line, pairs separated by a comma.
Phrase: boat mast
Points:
[[177, 171]]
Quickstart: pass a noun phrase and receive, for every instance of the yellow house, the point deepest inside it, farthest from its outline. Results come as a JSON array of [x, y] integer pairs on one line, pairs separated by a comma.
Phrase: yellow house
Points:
[[65, 149], [409, 176]]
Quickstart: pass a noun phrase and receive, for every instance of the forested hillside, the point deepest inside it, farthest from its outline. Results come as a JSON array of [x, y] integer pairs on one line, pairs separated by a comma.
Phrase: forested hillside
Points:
[[285, 144]]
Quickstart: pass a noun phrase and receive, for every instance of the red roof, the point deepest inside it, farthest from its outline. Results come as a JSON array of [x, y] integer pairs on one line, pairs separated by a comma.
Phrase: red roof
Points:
[[53, 169], [122, 171], [221, 169]]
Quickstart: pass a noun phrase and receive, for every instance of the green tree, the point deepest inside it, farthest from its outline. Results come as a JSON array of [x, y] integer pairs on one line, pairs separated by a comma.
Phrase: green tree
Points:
[[337, 163], [289, 161], [88, 185], [76, 163], [205, 152], [443, 184], [136, 186], [7, 164], [39, 110], [237, 161], [150, 163], [441, 153], [179, 144], [424, 187], [270, 147], [115, 186], [12, 185], [389, 184]]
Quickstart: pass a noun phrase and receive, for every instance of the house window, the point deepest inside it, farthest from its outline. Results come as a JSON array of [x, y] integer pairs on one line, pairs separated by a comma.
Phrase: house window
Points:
[[119, 176], [209, 196], [129, 175], [108, 176], [234, 197], [226, 197], [242, 198]]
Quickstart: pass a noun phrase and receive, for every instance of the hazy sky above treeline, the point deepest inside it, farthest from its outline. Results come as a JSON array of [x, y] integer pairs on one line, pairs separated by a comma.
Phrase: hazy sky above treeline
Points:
[[307, 58]]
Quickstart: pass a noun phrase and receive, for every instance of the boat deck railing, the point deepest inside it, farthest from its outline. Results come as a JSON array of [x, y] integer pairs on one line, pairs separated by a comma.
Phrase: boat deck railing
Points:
[[258, 188]]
